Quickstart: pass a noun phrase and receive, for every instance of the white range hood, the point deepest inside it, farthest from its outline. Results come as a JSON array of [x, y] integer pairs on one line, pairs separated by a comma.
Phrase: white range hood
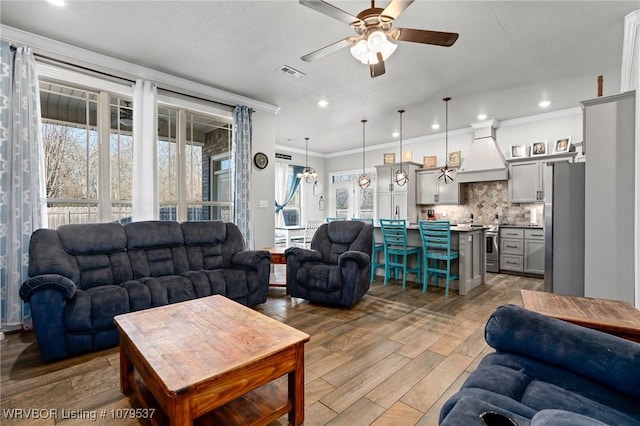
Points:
[[485, 160]]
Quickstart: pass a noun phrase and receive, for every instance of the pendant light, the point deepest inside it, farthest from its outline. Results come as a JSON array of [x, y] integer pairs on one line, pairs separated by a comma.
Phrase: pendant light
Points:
[[446, 174], [307, 173], [401, 177], [364, 181]]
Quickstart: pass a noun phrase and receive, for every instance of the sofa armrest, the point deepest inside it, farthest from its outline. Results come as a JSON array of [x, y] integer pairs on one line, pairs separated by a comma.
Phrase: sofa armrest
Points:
[[362, 259], [47, 281], [303, 255], [595, 355], [250, 258]]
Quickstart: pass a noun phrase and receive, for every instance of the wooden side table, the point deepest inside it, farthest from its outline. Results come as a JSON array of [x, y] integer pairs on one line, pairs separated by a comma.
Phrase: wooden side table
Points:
[[277, 258], [611, 316]]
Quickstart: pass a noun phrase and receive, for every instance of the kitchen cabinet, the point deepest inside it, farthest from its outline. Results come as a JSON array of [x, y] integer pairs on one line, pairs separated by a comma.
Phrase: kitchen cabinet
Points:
[[527, 178], [533, 251], [522, 250], [395, 201], [431, 190]]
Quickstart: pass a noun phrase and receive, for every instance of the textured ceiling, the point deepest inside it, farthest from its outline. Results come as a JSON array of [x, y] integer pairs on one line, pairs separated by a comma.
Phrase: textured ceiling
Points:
[[510, 55]]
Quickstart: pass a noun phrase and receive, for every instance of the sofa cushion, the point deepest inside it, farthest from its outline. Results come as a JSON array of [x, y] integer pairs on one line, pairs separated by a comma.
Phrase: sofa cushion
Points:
[[169, 289], [95, 308], [320, 277], [211, 245], [156, 248]]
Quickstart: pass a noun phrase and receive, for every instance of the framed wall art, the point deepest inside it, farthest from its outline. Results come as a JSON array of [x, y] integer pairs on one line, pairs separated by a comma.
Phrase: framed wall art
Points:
[[407, 156], [518, 151], [429, 161], [389, 158], [455, 158], [539, 148], [562, 145]]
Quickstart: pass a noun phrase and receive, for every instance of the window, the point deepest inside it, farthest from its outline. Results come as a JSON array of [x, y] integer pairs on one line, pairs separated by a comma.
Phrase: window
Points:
[[194, 165], [78, 188], [88, 148], [348, 200]]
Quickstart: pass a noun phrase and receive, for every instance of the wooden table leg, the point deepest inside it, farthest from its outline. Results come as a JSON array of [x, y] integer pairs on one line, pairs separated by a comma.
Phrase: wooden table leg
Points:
[[126, 367], [296, 388]]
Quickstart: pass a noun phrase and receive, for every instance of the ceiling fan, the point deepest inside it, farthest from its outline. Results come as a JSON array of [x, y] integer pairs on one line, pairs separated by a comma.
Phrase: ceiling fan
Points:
[[373, 29]]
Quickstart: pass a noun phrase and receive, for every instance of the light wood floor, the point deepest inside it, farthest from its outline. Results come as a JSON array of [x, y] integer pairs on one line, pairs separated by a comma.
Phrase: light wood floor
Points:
[[393, 359]]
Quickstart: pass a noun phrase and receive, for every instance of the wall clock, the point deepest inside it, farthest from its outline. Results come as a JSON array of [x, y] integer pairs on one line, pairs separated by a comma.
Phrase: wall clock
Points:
[[260, 160]]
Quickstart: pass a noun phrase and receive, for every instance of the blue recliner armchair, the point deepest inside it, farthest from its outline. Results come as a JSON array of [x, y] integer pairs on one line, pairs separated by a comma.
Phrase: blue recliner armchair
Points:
[[337, 269]]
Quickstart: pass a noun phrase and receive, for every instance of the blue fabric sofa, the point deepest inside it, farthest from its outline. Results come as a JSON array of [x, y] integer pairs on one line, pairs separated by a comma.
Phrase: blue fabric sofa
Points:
[[337, 269], [81, 276], [549, 372]]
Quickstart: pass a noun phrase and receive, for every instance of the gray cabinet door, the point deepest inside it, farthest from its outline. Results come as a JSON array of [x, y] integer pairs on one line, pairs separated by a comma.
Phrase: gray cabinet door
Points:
[[426, 187], [534, 256], [524, 182], [448, 193]]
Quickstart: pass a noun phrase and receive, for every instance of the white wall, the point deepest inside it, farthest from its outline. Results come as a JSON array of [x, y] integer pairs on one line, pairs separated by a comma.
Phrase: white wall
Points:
[[263, 181]]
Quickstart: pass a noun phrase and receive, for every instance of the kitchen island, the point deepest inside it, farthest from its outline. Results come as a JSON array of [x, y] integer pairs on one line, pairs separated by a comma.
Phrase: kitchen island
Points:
[[470, 243]]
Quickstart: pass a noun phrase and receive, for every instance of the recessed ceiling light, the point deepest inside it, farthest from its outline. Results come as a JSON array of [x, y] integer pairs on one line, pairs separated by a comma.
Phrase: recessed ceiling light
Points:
[[395, 134], [435, 126], [544, 104], [482, 116], [59, 3], [323, 103]]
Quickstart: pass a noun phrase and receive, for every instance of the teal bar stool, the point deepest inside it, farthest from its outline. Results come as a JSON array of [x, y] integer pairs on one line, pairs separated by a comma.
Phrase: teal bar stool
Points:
[[397, 250], [377, 249], [436, 248]]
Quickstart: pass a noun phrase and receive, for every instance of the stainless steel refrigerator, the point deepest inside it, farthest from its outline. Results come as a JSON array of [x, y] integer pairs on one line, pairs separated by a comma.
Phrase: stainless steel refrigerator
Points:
[[564, 228]]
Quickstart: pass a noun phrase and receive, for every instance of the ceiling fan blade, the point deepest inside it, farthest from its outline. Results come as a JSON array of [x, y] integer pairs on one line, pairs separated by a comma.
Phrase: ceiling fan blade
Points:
[[324, 51], [424, 36], [377, 69], [331, 11], [395, 8]]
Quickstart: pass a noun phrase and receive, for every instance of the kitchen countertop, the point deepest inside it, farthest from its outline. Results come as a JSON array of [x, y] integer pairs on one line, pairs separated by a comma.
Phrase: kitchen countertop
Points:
[[456, 228], [526, 225]]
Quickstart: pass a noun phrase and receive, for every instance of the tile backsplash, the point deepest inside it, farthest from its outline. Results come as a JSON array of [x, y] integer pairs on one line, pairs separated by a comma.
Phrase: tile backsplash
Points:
[[484, 200]]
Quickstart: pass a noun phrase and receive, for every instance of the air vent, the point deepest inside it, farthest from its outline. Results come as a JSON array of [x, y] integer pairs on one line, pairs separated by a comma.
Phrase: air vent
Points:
[[291, 71]]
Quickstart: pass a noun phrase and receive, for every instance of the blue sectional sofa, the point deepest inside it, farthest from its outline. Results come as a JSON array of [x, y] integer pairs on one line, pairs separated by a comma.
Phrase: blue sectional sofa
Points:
[[81, 276], [549, 372]]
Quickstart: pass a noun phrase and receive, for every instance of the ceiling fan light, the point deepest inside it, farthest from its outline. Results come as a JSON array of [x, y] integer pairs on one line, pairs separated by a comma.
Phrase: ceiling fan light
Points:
[[373, 58], [378, 42], [360, 51]]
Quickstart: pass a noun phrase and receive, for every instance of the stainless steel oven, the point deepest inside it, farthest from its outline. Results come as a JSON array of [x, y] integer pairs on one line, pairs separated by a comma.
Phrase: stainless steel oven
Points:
[[493, 251]]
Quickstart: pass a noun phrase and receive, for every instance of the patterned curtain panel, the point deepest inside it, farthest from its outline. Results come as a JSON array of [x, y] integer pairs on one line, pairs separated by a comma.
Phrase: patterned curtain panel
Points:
[[22, 188], [241, 164]]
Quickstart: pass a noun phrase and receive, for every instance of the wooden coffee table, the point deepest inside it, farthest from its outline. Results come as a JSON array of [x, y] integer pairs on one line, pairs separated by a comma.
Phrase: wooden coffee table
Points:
[[208, 356], [610, 316]]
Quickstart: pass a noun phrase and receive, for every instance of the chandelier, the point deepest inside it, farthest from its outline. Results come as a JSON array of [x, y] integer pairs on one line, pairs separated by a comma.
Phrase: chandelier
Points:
[[307, 173], [366, 50], [401, 177], [446, 174], [364, 181]]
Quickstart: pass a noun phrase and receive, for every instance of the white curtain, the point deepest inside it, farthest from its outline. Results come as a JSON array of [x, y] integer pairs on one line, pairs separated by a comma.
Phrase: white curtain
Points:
[[22, 187], [241, 172], [145, 146], [281, 189]]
